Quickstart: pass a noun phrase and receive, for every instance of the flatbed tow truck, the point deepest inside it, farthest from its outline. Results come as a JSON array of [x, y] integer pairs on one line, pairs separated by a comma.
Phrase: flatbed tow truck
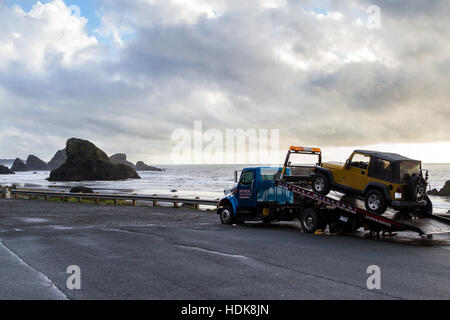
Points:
[[315, 211]]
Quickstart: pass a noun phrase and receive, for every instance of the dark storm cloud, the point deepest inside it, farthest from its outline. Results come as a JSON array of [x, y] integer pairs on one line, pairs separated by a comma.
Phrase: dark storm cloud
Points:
[[309, 68]]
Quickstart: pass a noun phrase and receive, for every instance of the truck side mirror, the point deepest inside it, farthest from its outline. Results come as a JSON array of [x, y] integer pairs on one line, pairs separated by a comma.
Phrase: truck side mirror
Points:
[[235, 176]]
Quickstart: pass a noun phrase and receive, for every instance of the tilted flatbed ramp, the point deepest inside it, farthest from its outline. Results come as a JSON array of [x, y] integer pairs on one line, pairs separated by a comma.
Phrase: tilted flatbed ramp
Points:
[[429, 226], [390, 221]]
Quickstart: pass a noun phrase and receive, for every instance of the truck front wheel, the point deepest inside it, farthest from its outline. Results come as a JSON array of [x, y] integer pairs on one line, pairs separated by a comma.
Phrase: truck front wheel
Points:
[[226, 215], [310, 220]]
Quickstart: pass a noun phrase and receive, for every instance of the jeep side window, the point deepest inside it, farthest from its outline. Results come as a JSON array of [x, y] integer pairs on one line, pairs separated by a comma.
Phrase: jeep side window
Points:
[[380, 169], [247, 177], [360, 161]]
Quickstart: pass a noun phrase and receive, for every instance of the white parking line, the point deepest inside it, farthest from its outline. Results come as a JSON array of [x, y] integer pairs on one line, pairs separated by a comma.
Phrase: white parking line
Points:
[[27, 280]]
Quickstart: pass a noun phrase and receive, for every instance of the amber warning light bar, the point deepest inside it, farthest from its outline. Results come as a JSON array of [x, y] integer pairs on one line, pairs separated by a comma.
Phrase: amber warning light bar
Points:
[[305, 149]]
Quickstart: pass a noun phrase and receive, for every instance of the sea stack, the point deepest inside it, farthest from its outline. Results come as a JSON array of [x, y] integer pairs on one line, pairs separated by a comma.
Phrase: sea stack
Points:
[[5, 170], [141, 166], [444, 192], [121, 158], [86, 162], [19, 166], [35, 164], [57, 161]]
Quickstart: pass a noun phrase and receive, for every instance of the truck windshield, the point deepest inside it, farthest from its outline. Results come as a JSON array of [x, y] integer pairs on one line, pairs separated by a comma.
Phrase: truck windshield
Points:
[[409, 169]]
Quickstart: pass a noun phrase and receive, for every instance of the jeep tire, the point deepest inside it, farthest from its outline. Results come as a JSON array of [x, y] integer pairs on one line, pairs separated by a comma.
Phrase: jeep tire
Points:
[[376, 201], [321, 184]]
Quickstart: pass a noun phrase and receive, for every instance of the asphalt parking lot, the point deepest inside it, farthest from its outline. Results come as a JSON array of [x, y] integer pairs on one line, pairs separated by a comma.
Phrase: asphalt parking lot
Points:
[[165, 253]]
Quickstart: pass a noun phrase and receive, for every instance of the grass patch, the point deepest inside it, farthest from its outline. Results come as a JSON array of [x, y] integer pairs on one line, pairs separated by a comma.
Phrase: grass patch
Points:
[[75, 200]]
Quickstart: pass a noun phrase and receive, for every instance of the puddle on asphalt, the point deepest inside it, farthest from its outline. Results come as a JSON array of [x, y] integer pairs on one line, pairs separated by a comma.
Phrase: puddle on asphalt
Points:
[[34, 220], [61, 228]]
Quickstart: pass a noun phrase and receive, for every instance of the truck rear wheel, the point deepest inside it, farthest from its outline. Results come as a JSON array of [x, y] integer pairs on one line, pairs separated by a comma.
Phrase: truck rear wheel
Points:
[[321, 184], [227, 216], [310, 220]]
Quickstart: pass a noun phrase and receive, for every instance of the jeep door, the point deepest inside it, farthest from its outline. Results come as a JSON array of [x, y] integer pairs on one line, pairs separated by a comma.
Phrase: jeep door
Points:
[[356, 174]]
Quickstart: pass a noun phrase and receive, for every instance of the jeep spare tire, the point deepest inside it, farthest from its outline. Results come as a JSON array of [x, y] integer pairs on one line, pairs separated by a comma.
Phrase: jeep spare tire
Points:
[[417, 188], [321, 184]]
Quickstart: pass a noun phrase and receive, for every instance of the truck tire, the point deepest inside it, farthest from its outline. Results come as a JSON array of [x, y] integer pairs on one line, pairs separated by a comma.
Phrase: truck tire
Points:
[[321, 184], [417, 188], [310, 220], [376, 201], [227, 216]]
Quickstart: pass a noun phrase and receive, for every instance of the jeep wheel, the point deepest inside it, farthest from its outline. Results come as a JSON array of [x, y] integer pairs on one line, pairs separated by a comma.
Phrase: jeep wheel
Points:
[[310, 220], [376, 202], [321, 184], [226, 215], [417, 188]]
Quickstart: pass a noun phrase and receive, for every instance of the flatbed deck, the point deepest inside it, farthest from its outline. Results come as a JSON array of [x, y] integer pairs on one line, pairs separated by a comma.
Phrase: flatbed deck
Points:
[[391, 221]]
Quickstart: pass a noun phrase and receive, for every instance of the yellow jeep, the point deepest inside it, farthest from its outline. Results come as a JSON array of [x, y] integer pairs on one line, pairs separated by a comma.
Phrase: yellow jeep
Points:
[[381, 179]]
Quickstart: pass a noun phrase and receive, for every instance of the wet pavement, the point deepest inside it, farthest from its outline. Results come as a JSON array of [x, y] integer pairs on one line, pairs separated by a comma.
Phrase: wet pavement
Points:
[[165, 253]]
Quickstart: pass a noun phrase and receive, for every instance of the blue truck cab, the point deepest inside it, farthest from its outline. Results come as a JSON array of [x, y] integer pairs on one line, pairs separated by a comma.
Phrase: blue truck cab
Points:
[[256, 197]]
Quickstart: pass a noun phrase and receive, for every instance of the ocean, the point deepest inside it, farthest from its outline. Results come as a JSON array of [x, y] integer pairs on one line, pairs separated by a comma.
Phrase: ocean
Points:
[[205, 181]]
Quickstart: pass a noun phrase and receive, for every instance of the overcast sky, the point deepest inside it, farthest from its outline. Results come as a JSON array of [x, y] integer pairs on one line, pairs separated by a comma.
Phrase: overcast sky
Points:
[[126, 74]]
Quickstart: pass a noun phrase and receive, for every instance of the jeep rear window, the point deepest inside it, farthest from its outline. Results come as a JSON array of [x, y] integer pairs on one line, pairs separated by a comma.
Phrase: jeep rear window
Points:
[[409, 169]]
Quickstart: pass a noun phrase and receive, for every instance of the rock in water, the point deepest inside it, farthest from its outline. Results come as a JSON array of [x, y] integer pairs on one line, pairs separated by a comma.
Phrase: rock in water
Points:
[[19, 166], [444, 192], [141, 166], [86, 162], [5, 170], [81, 190], [58, 160], [35, 164], [121, 158]]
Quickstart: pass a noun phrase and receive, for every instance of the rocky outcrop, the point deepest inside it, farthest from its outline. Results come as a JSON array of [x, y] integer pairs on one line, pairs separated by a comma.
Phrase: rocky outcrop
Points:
[[6, 162], [81, 190], [86, 162], [121, 158], [35, 164], [57, 161], [19, 166], [5, 170], [444, 192], [141, 166]]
